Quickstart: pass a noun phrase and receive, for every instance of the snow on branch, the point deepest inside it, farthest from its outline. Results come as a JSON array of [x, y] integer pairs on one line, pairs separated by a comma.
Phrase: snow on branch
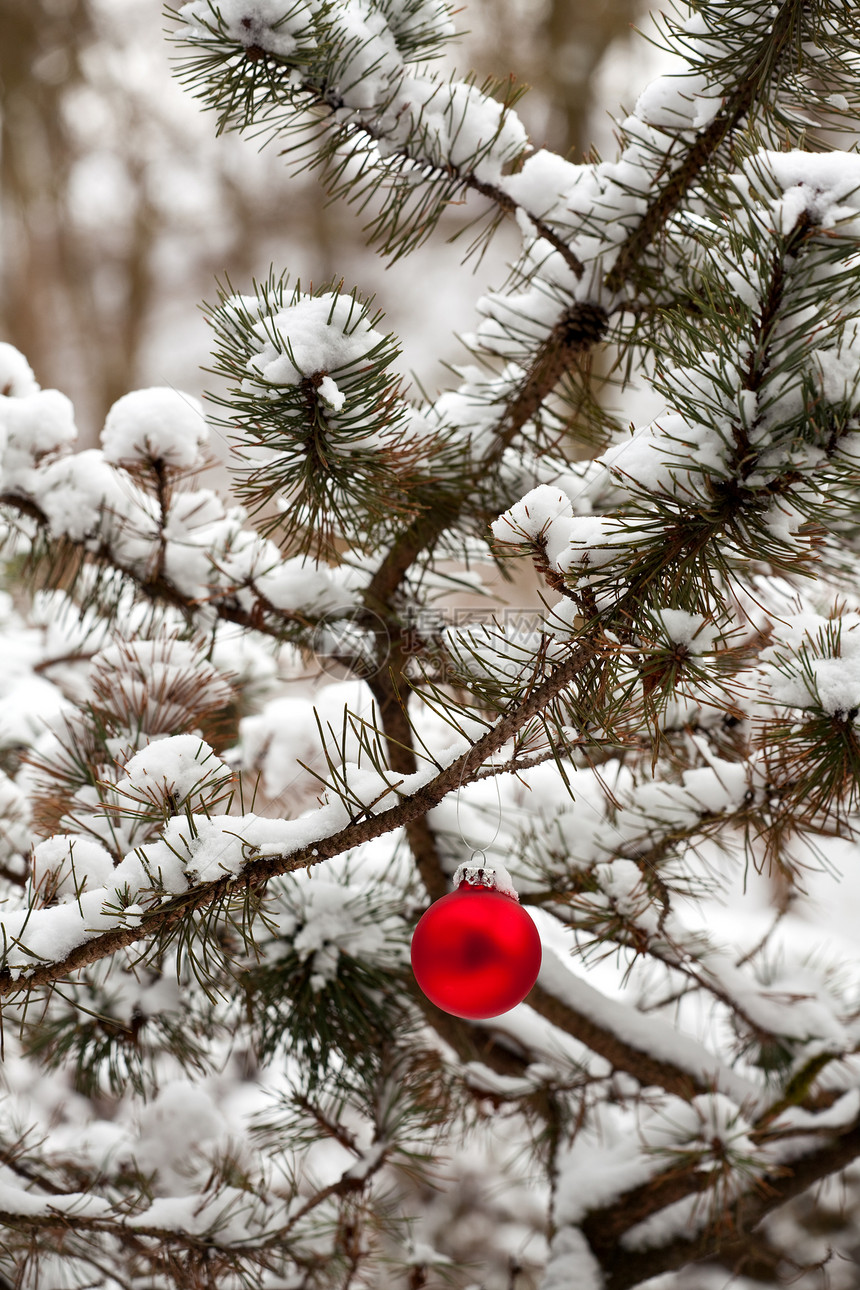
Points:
[[674, 1242], [758, 436], [392, 124], [124, 506], [650, 1050], [199, 860]]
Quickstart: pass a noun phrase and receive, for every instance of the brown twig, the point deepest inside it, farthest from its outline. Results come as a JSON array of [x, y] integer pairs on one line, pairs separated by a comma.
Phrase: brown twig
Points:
[[388, 689]]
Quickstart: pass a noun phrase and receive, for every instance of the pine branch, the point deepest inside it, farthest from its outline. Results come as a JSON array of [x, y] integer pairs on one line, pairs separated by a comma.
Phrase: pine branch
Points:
[[263, 617], [257, 871], [577, 331], [658, 1056], [604, 1228], [705, 147], [330, 1128], [609, 1045], [407, 125], [583, 326], [137, 1234], [168, 1240], [625, 1269], [348, 1184], [543, 229], [516, 766]]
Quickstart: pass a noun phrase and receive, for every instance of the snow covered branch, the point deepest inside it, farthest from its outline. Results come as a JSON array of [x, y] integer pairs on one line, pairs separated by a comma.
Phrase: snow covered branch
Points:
[[769, 58], [246, 850], [653, 1053], [631, 1262]]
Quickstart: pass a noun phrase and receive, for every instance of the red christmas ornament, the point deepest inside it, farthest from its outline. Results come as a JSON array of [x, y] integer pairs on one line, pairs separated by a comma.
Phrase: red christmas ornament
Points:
[[476, 952]]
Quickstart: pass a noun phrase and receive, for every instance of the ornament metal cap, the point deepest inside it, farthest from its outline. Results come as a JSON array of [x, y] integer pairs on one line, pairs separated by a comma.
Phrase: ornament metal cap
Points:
[[477, 874], [489, 875]]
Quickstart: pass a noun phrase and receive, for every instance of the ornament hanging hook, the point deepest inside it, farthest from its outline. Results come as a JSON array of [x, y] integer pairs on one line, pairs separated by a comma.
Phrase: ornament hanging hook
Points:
[[478, 862]]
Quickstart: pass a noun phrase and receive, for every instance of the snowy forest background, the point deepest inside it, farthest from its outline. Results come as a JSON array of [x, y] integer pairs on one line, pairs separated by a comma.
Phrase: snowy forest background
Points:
[[251, 1093], [120, 206]]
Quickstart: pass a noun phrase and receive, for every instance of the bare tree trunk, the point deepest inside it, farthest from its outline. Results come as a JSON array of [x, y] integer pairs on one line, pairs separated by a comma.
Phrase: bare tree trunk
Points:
[[39, 62], [576, 38]]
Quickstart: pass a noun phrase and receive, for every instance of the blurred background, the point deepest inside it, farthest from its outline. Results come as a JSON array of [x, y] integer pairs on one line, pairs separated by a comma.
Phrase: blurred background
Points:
[[119, 207]]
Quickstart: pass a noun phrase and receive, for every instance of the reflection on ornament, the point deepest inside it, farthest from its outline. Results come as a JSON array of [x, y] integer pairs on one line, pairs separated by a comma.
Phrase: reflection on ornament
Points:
[[476, 952]]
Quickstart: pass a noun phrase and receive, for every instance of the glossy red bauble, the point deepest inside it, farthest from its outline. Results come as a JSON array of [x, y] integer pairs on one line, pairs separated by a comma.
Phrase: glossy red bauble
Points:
[[476, 953]]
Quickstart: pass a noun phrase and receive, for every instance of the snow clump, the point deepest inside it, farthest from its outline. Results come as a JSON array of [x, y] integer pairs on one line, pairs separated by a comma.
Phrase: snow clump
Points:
[[824, 186], [329, 919], [16, 374], [158, 424], [64, 865], [264, 24], [311, 338], [816, 665], [176, 767], [692, 631], [544, 517], [33, 427], [181, 1126]]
